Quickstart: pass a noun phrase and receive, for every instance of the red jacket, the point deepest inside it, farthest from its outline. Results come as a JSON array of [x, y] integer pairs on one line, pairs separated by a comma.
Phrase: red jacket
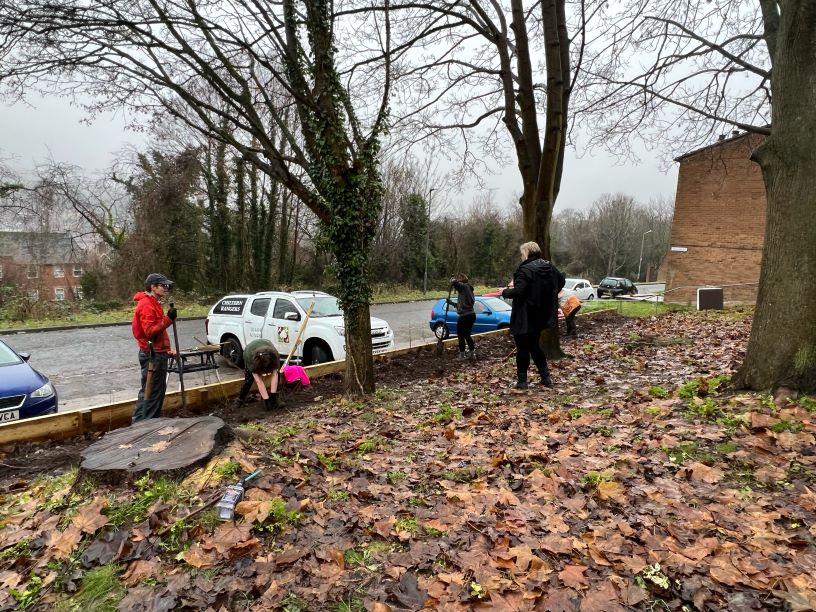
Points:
[[150, 323]]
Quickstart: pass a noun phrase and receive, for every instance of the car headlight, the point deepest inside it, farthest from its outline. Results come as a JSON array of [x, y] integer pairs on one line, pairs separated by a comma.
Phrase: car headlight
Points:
[[340, 330], [47, 390]]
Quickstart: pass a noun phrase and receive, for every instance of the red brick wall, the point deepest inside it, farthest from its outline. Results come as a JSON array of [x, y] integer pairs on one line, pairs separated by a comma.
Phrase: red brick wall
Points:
[[719, 216], [45, 283]]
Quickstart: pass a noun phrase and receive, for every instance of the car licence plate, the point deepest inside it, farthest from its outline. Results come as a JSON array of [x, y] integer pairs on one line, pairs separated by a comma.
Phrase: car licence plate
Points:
[[9, 416]]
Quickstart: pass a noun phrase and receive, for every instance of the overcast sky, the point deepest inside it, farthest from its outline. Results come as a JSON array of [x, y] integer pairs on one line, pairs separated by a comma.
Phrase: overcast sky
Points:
[[54, 128]]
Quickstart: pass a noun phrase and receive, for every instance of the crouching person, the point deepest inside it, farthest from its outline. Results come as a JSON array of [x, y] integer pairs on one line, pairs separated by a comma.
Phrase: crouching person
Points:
[[569, 304], [260, 358]]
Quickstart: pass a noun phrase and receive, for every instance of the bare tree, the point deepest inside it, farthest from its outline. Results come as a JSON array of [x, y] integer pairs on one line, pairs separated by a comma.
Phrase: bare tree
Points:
[[230, 70], [492, 71], [705, 67]]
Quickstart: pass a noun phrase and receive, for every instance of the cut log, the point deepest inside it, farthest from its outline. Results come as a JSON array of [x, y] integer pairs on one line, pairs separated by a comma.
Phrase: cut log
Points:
[[158, 445]]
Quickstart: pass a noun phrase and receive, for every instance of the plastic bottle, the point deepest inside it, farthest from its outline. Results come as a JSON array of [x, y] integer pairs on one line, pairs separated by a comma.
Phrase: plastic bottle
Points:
[[226, 507]]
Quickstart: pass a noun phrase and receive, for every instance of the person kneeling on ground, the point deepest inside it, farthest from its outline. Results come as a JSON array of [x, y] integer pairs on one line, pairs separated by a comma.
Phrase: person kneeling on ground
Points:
[[260, 358], [569, 304]]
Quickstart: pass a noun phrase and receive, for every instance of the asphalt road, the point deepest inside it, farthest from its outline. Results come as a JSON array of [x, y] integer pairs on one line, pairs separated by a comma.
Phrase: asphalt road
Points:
[[97, 365]]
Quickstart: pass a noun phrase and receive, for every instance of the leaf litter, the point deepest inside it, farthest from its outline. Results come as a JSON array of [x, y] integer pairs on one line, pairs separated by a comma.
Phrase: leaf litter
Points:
[[641, 481]]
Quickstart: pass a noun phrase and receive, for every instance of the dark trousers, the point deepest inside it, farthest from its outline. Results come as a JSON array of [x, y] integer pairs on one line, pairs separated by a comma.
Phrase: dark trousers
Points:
[[572, 330], [152, 408], [527, 346], [464, 327]]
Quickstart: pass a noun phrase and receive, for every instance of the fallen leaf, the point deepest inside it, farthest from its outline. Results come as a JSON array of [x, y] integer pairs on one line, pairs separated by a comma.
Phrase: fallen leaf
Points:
[[139, 570], [90, 518], [700, 471], [612, 490], [573, 576]]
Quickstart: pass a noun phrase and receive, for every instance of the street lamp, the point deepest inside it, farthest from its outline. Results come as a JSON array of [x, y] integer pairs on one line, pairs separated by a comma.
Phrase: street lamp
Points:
[[427, 242], [640, 263]]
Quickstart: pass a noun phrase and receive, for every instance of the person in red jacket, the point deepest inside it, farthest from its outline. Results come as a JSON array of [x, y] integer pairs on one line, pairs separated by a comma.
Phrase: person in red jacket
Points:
[[150, 325]]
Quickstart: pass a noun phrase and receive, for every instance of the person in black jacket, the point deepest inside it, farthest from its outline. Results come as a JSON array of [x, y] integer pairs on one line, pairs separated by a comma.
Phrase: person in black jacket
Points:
[[536, 283], [467, 315]]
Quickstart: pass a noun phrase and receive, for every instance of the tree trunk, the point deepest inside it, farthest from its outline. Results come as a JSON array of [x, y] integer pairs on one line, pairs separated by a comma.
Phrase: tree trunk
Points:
[[359, 378], [782, 346]]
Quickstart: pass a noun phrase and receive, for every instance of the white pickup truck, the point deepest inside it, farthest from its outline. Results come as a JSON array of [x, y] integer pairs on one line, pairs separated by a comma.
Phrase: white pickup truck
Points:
[[236, 320]]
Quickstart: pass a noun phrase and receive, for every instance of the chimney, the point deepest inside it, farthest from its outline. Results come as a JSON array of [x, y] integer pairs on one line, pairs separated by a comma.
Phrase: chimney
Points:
[[735, 133], [722, 137]]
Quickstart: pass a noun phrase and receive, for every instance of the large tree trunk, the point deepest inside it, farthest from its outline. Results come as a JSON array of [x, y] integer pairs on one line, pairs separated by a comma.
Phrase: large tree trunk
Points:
[[359, 378], [782, 346]]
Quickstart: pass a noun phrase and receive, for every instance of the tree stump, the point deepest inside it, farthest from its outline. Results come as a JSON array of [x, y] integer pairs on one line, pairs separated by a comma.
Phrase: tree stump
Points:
[[158, 445]]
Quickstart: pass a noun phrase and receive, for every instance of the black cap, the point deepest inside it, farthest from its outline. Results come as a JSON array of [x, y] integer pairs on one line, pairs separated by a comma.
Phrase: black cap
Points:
[[154, 278]]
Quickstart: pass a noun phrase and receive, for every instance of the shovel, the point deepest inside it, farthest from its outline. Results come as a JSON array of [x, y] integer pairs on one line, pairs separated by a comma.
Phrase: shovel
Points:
[[180, 364], [441, 332], [150, 364]]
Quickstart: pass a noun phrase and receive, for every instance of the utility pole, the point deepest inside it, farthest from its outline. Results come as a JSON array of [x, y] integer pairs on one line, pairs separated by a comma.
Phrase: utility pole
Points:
[[427, 242], [640, 262]]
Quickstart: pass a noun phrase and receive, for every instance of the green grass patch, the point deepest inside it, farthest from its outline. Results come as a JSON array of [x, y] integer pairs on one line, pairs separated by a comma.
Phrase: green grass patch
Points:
[[279, 517], [446, 413], [406, 523], [464, 474], [101, 591], [28, 596], [148, 492], [659, 392], [396, 477], [338, 495], [86, 314], [593, 479], [787, 426], [19, 550]]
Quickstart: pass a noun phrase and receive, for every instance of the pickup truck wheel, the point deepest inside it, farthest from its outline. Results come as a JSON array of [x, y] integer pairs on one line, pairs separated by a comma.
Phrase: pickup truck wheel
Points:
[[233, 353], [319, 354]]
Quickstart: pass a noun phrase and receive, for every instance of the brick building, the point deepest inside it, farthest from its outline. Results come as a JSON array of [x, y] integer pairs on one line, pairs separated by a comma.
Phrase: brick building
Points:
[[45, 265], [719, 222]]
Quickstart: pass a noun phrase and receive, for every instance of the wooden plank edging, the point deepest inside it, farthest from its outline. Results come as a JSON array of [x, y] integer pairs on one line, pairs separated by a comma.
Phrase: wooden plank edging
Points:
[[113, 416]]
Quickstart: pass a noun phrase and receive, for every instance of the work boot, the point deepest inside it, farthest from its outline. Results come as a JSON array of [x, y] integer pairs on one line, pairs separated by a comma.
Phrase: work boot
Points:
[[271, 402], [472, 355], [461, 356], [546, 380], [238, 403], [522, 381]]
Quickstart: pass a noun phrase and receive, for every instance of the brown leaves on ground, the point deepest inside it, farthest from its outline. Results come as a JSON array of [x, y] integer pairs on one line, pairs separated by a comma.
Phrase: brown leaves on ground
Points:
[[450, 491]]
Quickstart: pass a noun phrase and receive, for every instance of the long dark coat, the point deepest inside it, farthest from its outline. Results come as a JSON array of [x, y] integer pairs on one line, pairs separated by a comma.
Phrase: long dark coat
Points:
[[536, 283]]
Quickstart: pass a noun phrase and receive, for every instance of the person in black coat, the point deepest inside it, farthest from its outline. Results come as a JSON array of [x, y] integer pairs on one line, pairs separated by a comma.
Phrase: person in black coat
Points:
[[467, 315], [536, 283]]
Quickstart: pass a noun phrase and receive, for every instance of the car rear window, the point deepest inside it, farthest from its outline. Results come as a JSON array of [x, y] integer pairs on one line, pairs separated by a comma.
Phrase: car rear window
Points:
[[570, 284], [230, 306]]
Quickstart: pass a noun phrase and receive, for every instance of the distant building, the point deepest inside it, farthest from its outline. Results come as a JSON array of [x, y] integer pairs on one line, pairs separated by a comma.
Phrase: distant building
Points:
[[46, 266], [719, 222]]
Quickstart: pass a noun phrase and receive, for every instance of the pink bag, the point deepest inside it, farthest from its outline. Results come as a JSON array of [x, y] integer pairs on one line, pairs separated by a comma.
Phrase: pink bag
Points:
[[294, 373]]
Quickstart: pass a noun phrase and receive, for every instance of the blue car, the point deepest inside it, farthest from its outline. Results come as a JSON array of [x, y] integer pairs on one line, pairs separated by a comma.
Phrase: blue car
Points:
[[24, 392], [491, 313]]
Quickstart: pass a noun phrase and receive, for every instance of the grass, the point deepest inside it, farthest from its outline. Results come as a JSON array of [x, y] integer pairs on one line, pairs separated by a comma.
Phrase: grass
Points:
[[80, 316], [632, 308], [101, 591], [150, 491]]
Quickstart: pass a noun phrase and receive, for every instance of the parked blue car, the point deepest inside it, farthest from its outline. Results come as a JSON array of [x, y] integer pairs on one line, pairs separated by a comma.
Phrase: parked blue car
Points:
[[24, 392], [491, 313]]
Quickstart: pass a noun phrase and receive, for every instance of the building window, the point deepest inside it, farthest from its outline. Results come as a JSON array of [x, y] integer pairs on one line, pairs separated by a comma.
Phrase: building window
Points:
[[33, 295], [77, 293], [59, 294], [77, 271], [59, 271], [32, 272]]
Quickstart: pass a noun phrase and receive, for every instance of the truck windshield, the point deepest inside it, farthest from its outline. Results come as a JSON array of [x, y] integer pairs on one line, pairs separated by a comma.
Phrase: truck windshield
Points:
[[324, 306]]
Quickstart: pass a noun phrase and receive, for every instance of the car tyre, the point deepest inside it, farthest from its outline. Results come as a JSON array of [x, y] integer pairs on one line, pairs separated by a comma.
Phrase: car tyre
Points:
[[590, 297], [233, 353], [441, 331], [634, 290], [319, 354]]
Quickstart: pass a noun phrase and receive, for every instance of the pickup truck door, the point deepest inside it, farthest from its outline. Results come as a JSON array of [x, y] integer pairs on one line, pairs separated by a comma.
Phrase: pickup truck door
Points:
[[282, 331], [255, 317]]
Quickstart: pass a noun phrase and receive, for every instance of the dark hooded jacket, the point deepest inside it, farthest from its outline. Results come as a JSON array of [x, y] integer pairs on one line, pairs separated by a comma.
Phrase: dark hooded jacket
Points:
[[536, 283], [466, 300]]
